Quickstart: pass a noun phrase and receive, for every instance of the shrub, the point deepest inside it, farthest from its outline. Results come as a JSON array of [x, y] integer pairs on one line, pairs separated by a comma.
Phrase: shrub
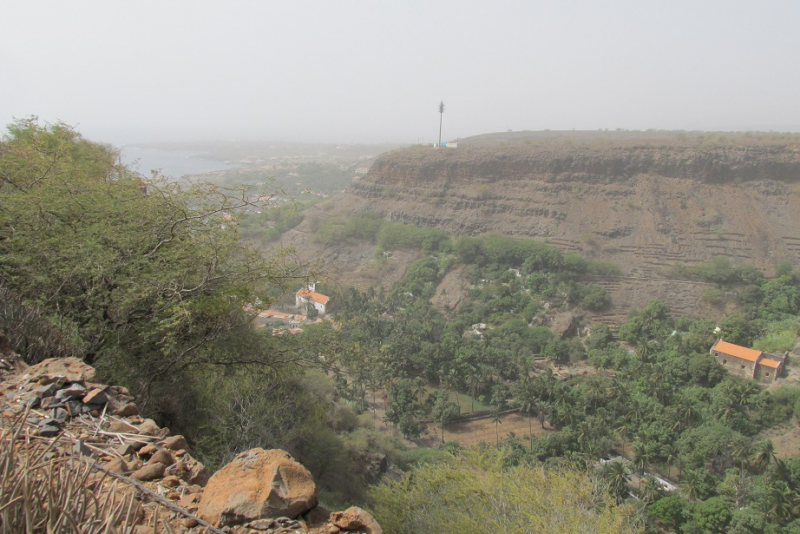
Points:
[[500, 499]]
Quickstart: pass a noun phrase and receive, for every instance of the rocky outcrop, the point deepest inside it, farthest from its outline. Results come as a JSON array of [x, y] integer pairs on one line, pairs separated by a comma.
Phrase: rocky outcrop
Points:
[[259, 491], [355, 518], [258, 484], [565, 324]]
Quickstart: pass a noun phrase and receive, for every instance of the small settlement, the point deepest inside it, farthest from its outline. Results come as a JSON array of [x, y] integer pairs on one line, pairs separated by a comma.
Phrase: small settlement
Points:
[[306, 301], [747, 362]]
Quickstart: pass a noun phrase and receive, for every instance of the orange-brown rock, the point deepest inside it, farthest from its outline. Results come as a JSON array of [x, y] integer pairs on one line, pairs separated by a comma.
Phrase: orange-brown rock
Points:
[[126, 410], [161, 456], [72, 369], [258, 484], [190, 470], [149, 472], [355, 518], [175, 443]]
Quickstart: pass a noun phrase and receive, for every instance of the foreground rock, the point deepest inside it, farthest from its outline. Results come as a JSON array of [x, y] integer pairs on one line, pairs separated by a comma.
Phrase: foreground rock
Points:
[[354, 518], [260, 490], [258, 484]]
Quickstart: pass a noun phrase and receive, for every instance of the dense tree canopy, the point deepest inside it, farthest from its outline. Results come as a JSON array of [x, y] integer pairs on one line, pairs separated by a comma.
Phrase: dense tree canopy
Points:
[[145, 277]]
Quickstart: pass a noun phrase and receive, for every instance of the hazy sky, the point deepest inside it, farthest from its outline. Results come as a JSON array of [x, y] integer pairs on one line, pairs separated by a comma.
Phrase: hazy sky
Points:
[[369, 71]]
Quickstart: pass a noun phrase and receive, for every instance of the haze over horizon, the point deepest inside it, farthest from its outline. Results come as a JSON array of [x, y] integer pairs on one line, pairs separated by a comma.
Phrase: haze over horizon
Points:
[[358, 71]]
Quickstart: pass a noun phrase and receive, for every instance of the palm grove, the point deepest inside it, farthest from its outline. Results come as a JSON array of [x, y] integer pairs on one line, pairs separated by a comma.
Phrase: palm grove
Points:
[[146, 280]]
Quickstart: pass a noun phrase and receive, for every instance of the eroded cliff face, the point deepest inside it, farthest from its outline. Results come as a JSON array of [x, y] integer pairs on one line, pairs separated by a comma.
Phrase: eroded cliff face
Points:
[[645, 205]]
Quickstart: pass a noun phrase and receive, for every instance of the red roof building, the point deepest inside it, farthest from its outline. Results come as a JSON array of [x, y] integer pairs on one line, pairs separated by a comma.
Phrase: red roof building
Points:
[[748, 363]]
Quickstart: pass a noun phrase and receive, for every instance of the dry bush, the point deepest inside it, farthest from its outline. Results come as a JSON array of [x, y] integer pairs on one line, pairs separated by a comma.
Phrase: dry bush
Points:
[[31, 334]]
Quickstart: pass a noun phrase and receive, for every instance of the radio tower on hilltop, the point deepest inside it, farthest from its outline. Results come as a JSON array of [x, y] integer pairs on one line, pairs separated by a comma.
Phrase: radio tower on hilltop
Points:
[[441, 114]]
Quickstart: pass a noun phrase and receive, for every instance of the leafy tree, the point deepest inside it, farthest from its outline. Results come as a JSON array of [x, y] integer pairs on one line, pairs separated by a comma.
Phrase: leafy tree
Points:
[[781, 297], [600, 336], [148, 277], [711, 516], [500, 498], [668, 512], [444, 410], [739, 329]]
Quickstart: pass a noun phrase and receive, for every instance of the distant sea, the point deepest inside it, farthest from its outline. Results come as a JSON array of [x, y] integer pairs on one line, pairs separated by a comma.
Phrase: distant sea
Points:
[[172, 163]]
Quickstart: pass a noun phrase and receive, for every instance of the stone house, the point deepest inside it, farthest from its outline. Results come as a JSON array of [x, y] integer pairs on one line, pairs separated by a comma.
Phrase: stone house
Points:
[[748, 363]]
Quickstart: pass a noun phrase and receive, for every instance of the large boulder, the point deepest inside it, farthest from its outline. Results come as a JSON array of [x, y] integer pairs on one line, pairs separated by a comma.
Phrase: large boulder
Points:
[[355, 518], [258, 484]]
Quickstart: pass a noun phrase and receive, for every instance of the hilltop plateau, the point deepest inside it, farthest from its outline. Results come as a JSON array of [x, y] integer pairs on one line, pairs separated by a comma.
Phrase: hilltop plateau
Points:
[[644, 200]]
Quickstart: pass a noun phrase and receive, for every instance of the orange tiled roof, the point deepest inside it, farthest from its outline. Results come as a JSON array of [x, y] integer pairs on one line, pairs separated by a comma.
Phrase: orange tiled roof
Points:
[[769, 363], [737, 351], [281, 315], [313, 295], [273, 313]]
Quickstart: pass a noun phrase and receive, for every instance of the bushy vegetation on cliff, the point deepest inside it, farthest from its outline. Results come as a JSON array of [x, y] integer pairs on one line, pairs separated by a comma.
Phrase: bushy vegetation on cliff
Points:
[[147, 281]]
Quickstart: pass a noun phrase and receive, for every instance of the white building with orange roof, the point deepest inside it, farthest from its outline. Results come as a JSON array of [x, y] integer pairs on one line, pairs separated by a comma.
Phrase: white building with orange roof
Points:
[[748, 363], [309, 296]]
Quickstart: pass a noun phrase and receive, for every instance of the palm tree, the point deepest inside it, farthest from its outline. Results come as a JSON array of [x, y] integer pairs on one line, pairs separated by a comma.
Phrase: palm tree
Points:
[[496, 420], [441, 115], [595, 391], [763, 455], [691, 482], [781, 501], [687, 410], [623, 428], [650, 490], [617, 476], [670, 454], [640, 456], [742, 451], [526, 401], [420, 389], [474, 381]]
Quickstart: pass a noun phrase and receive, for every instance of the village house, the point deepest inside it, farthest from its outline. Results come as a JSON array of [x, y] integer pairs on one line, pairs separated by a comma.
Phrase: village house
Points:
[[748, 363], [309, 296]]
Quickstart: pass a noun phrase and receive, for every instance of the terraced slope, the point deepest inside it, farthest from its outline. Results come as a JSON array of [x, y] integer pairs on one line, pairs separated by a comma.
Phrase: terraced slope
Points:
[[645, 204]]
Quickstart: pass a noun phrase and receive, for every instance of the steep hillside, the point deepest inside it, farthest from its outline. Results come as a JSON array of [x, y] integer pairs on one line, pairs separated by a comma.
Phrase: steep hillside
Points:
[[643, 203]]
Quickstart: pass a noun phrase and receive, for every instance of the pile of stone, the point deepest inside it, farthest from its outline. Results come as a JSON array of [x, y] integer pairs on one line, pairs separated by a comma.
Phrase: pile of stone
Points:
[[260, 491]]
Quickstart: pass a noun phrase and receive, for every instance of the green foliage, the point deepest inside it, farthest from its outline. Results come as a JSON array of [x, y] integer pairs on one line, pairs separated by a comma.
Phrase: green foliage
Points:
[[508, 251], [781, 297], [398, 235], [780, 337], [433, 497], [594, 297], [372, 227], [271, 222], [651, 323], [150, 277], [740, 330], [668, 512], [711, 516]]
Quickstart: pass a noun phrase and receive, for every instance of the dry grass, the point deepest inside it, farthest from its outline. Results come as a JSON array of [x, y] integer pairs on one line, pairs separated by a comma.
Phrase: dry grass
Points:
[[40, 492]]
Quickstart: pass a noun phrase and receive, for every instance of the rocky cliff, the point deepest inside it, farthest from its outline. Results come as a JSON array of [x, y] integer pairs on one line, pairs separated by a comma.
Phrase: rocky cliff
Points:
[[643, 203]]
